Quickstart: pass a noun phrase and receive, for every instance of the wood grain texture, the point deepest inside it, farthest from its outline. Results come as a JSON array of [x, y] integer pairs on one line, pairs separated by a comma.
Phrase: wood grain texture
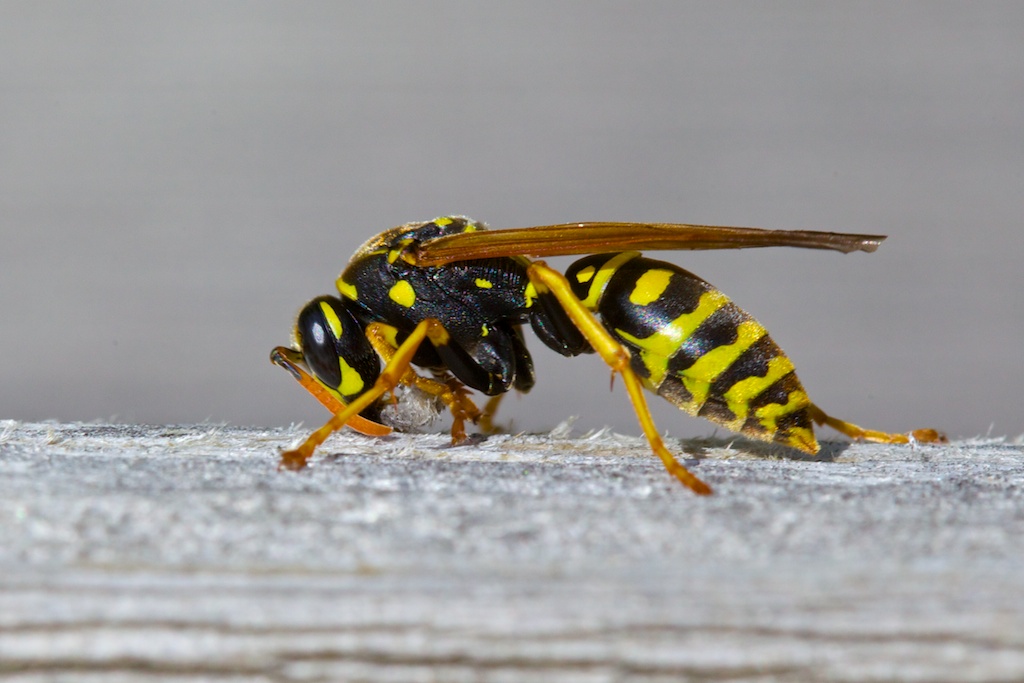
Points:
[[181, 553]]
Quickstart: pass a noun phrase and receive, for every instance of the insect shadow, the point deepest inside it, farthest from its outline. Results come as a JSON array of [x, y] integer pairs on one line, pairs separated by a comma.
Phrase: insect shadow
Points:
[[698, 449]]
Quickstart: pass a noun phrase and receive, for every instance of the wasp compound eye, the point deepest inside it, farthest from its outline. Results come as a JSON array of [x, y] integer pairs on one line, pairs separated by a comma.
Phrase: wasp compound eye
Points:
[[318, 328]]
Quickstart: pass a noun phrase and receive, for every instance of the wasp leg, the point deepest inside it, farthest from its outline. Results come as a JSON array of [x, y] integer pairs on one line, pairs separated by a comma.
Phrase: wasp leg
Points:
[[389, 378], [617, 357], [860, 434], [292, 361], [452, 392], [486, 421]]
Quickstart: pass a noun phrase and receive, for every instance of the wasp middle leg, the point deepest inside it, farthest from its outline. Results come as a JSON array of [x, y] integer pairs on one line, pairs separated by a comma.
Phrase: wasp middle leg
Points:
[[451, 392]]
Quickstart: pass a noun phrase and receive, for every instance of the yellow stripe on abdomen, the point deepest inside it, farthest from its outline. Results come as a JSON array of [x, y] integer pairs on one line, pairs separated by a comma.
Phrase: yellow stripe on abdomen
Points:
[[650, 286], [705, 370], [740, 394], [659, 347]]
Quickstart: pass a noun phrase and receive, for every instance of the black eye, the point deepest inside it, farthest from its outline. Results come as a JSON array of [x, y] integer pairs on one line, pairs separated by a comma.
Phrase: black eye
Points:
[[318, 341]]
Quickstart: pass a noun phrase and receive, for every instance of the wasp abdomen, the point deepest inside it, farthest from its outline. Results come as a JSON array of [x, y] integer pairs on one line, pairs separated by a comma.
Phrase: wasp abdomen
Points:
[[695, 347]]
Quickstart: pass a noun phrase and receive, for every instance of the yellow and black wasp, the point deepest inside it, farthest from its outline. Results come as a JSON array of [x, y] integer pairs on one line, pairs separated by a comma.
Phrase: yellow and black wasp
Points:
[[467, 292]]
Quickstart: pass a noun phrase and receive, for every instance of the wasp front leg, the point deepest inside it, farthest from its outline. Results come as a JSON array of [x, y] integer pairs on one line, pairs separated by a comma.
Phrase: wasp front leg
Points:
[[293, 361], [389, 378], [617, 357], [451, 392]]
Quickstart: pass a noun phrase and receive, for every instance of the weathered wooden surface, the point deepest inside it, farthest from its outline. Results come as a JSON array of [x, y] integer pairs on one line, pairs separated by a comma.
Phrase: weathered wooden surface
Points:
[[181, 553]]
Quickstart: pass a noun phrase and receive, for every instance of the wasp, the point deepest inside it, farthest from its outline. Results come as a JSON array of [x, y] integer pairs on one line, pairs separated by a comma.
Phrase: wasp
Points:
[[441, 305]]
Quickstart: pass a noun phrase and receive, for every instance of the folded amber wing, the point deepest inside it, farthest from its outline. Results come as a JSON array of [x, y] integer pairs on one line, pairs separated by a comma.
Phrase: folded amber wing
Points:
[[602, 237]]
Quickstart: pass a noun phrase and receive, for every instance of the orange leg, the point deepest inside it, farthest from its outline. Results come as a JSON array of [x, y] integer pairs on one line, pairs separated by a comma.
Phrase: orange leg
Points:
[[451, 392], [860, 434], [389, 378], [617, 358], [292, 361], [486, 421]]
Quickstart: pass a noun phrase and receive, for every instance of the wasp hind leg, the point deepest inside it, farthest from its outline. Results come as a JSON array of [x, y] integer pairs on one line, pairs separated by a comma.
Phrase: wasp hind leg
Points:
[[486, 422], [450, 391], [389, 378], [617, 356], [860, 434]]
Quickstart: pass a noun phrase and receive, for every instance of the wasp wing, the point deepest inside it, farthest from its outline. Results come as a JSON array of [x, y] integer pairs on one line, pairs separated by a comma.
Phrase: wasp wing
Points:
[[602, 237]]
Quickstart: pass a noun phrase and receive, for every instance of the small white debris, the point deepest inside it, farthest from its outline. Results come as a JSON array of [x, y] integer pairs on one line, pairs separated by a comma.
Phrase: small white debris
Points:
[[564, 429]]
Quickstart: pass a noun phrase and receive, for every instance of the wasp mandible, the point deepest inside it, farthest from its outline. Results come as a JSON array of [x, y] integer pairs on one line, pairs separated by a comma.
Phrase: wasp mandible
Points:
[[451, 297]]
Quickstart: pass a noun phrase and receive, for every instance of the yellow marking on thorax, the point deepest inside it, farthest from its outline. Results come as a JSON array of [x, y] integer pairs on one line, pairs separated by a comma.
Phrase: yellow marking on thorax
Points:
[[333, 321], [402, 294], [659, 347], [484, 331], [483, 284], [347, 289], [603, 275], [399, 251], [650, 286], [530, 293], [443, 221]]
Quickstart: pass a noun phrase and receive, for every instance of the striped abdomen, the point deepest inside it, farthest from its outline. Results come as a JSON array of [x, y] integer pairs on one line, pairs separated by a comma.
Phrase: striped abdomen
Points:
[[693, 346]]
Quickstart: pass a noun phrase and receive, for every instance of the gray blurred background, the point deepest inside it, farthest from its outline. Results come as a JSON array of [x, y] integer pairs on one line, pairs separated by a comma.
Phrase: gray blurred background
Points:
[[177, 178]]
